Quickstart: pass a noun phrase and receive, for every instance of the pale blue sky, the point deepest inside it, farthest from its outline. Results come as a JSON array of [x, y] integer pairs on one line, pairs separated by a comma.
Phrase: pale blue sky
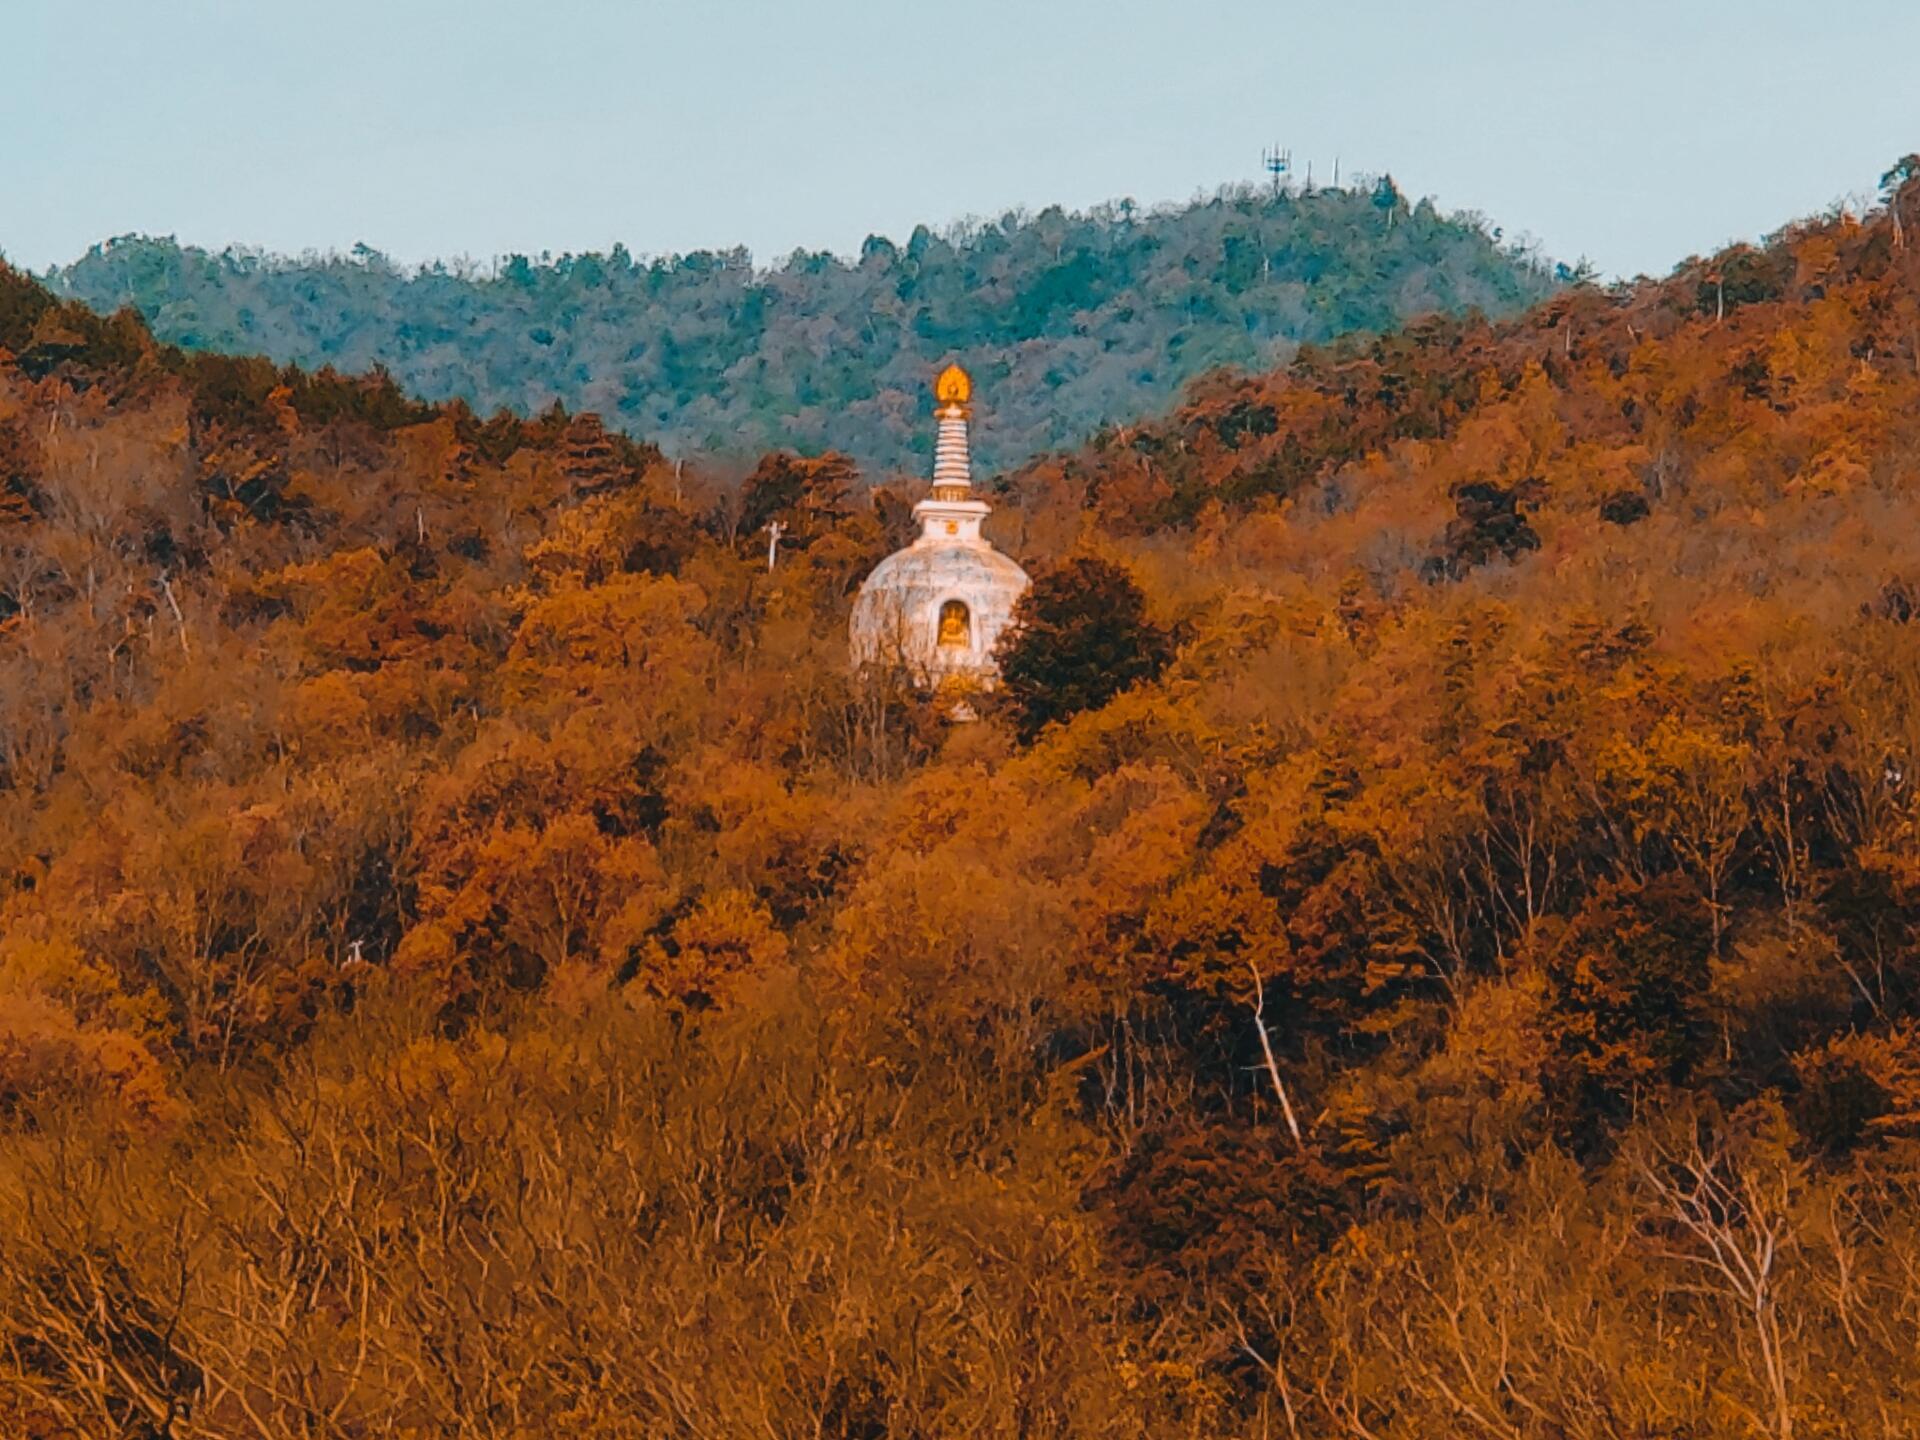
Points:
[[1635, 131]]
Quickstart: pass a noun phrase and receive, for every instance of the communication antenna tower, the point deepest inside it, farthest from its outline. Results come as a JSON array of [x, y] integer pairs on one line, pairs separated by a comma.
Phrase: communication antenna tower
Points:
[[1278, 163]]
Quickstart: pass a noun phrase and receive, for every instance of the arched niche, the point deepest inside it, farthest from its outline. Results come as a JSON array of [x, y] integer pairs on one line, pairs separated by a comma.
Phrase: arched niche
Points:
[[955, 631]]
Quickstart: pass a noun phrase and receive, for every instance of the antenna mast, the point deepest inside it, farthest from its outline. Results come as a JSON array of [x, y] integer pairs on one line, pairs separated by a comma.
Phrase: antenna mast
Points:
[[1277, 163]]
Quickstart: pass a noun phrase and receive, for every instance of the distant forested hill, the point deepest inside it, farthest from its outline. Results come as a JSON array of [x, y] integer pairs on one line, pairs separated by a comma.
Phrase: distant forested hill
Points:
[[1072, 321]]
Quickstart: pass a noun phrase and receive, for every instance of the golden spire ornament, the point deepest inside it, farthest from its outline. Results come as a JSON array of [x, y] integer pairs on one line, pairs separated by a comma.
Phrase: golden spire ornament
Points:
[[954, 387]]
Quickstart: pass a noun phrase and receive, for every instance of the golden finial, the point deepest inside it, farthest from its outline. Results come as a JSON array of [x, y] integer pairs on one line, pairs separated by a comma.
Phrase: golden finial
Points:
[[954, 387]]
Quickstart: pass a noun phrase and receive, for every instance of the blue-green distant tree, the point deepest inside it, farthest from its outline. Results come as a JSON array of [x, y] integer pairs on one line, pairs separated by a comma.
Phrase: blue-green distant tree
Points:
[[1071, 320]]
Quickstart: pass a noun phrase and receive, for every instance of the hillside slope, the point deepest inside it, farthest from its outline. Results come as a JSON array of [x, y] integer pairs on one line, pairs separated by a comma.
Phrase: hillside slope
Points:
[[472, 959], [1074, 320]]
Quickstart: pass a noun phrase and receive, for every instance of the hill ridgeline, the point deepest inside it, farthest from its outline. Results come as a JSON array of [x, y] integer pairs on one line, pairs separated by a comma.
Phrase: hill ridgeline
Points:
[[1073, 321]]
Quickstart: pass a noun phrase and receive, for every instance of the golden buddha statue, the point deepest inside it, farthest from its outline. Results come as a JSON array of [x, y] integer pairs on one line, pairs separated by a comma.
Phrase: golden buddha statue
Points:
[[954, 628]]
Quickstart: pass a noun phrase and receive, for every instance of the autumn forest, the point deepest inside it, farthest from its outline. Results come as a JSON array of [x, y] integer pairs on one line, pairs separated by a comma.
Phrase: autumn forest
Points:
[[1425, 943]]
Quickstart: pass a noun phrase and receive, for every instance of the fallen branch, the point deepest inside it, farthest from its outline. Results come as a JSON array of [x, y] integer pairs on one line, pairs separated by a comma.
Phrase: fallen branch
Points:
[[1273, 1066]]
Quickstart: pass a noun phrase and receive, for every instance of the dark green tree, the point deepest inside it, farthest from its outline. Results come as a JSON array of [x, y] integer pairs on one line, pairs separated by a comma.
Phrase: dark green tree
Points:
[[1079, 637]]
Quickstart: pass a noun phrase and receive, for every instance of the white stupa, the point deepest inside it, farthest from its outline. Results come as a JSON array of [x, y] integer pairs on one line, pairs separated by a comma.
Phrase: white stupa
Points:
[[936, 608]]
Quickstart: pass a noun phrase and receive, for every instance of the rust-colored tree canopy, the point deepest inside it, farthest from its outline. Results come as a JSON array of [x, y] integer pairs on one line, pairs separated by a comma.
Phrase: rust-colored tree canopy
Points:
[[475, 961]]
